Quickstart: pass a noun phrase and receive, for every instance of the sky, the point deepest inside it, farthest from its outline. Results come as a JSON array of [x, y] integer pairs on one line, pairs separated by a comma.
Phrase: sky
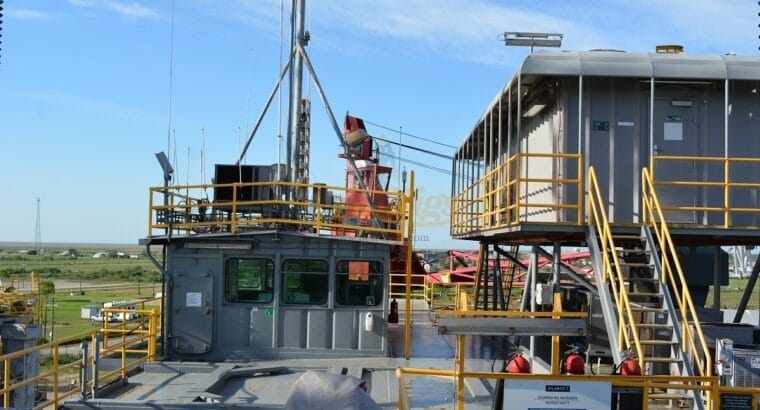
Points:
[[86, 85]]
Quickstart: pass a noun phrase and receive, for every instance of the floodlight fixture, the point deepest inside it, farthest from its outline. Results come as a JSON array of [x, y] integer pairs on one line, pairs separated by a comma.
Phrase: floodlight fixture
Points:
[[533, 110], [519, 38], [165, 165]]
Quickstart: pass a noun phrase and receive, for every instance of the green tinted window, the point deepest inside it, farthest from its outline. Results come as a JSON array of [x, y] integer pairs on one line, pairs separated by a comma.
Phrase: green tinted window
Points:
[[305, 281], [249, 280], [359, 283]]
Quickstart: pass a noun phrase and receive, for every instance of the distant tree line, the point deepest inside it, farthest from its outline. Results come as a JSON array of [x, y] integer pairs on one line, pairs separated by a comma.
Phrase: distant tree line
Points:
[[132, 274]]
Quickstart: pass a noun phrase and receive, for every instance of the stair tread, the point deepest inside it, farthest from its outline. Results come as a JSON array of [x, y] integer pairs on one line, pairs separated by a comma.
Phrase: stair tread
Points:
[[648, 309], [637, 264], [633, 251], [662, 360], [658, 342], [653, 325], [627, 236], [644, 294], [669, 396]]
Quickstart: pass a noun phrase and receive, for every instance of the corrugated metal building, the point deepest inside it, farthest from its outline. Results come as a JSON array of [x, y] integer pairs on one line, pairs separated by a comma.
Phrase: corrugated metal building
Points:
[[618, 112]]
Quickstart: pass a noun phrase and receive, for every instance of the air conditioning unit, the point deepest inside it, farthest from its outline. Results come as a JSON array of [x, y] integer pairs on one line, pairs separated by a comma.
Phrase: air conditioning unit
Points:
[[746, 368]]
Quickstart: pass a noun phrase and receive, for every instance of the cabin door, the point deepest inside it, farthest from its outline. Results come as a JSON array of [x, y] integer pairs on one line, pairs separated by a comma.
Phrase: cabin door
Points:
[[193, 302], [676, 134]]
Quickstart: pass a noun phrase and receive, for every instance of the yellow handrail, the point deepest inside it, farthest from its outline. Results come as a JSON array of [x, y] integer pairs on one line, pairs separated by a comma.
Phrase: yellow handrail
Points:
[[185, 209], [9, 385], [500, 198], [612, 273], [722, 180], [672, 274], [709, 386]]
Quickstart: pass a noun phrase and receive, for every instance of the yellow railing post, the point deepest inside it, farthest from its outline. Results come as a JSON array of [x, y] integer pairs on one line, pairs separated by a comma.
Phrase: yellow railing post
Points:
[[556, 310], [6, 383], [150, 212], [460, 372], [318, 215], [409, 256], [55, 372], [123, 360], [580, 188], [233, 215], [518, 179], [152, 335], [726, 192]]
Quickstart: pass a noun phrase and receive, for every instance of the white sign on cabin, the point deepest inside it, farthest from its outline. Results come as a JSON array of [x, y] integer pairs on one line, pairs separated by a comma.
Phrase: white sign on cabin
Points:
[[557, 394]]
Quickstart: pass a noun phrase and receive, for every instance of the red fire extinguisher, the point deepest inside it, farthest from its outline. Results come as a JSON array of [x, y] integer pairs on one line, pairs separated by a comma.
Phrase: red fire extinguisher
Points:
[[629, 366], [574, 363], [393, 314], [518, 364]]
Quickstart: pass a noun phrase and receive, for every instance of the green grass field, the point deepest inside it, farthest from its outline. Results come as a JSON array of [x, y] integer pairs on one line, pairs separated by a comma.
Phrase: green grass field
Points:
[[136, 278], [63, 316], [731, 295], [57, 263]]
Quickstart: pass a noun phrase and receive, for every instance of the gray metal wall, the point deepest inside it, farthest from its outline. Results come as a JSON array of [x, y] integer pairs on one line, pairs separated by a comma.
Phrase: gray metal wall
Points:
[[202, 325], [615, 139], [744, 128]]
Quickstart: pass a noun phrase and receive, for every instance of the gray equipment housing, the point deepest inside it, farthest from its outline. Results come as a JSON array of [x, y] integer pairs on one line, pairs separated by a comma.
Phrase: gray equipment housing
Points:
[[618, 109], [202, 322]]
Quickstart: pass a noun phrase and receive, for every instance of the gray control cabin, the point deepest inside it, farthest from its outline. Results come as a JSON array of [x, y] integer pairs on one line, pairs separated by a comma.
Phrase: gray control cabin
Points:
[[276, 294]]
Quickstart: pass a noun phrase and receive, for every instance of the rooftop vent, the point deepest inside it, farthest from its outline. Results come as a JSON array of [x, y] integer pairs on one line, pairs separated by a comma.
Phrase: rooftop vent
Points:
[[669, 49]]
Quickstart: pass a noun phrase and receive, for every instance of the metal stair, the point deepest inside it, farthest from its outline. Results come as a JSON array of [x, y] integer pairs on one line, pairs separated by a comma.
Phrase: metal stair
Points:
[[651, 317], [634, 277]]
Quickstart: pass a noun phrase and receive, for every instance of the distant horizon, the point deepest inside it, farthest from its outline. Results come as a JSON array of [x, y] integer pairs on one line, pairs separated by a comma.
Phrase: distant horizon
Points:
[[22, 244], [112, 245]]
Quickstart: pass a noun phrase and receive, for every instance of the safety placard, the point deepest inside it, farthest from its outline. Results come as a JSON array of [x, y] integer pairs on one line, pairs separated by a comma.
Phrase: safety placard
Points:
[[193, 299], [557, 394]]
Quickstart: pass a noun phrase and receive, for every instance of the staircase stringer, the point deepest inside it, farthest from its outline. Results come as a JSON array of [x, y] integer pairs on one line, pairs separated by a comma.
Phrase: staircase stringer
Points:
[[605, 296]]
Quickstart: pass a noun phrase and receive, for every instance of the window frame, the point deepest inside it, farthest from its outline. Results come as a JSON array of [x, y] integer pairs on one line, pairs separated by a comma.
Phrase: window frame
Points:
[[294, 297], [270, 271], [342, 282]]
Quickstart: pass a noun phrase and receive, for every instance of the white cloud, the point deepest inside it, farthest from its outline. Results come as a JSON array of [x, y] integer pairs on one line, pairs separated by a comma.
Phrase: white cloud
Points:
[[133, 9], [130, 10], [463, 30], [28, 14], [466, 30]]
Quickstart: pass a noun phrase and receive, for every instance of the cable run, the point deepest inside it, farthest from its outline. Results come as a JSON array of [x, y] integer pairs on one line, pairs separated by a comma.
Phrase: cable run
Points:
[[430, 167], [414, 148], [396, 130]]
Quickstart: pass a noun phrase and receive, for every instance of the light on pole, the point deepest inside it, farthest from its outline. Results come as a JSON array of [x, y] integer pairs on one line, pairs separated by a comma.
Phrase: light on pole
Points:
[[519, 38]]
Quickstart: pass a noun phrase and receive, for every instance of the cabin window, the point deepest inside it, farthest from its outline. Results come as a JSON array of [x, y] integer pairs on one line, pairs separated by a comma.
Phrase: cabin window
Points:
[[305, 281], [359, 283], [249, 280]]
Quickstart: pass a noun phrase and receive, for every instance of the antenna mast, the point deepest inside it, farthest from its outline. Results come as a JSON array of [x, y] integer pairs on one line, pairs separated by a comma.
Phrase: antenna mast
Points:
[[298, 114], [37, 230]]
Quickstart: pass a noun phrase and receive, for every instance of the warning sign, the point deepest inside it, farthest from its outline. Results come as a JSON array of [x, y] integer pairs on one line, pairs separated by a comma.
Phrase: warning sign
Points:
[[730, 401], [555, 394]]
